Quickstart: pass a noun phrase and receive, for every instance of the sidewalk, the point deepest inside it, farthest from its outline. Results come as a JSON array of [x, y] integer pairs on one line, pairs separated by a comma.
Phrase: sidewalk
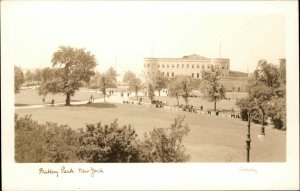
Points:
[[115, 98]]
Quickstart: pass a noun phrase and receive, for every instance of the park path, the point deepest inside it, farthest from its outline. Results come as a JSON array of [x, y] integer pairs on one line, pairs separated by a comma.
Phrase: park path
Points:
[[115, 98]]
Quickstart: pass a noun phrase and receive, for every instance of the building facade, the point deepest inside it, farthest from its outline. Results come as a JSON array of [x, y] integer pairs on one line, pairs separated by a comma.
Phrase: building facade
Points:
[[192, 66]]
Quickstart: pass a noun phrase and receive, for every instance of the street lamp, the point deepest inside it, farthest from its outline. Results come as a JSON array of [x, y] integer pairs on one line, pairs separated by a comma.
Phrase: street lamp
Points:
[[261, 135]]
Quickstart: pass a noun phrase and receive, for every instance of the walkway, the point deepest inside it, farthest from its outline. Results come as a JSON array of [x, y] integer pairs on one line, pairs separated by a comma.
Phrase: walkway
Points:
[[115, 98]]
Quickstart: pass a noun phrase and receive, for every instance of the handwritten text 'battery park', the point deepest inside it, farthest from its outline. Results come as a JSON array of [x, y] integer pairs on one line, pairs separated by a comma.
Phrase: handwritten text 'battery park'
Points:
[[63, 170]]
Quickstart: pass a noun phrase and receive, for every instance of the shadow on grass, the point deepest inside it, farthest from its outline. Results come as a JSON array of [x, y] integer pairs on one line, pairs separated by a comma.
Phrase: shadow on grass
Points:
[[97, 105], [21, 104]]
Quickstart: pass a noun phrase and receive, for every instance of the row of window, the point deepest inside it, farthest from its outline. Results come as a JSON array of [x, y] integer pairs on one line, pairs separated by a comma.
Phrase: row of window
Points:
[[182, 66], [172, 74]]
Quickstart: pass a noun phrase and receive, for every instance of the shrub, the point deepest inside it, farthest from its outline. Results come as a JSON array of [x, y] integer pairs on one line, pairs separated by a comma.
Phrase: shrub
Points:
[[108, 143], [43, 142], [165, 145], [50, 142]]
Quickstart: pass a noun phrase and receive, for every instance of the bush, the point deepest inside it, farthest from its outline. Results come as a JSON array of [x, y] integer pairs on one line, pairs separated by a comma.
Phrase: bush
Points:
[[165, 145], [108, 143], [50, 142], [43, 142]]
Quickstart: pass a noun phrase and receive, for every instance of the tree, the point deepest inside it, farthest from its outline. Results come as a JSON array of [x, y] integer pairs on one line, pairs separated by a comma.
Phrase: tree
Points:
[[74, 67], [165, 144], [159, 81], [186, 88], [19, 78], [151, 92], [211, 86], [107, 80], [29, 76], [128, 76], [94, 82], [37, 75], [112, 74], [267, 91], [135, 84], [49, 80], [175, 89]]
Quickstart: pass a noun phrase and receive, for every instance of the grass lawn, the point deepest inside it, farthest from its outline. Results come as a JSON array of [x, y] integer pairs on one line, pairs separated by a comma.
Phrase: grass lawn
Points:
[[31, 97], [212, 138]]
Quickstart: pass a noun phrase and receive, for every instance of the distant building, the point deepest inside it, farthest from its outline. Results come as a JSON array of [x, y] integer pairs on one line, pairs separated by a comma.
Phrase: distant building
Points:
[[192, 66]]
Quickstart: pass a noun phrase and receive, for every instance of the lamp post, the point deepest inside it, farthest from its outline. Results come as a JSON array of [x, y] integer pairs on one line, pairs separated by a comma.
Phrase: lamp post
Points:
[[261, 135]]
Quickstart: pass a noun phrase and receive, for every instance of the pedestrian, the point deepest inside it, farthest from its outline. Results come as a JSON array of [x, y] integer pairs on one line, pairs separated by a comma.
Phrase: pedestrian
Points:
[[44, 100], [52, 102]]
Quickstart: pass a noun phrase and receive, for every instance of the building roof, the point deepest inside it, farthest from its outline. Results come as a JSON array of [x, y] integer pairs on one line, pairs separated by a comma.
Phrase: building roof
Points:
[[194, 57]]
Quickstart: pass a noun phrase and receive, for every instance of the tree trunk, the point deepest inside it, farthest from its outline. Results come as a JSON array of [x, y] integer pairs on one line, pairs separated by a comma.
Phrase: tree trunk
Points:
[[158, 92], [68, 100], [215, 106], [136, 95], [177, 99], [104, 97]]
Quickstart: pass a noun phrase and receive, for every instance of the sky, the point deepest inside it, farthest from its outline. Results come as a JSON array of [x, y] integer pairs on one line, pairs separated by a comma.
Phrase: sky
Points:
[[122, 34]]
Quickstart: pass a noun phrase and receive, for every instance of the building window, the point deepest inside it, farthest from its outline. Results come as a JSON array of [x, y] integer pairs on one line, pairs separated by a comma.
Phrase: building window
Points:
[[197, 75], [158, 65], [172, 74], [203, 67], [177, 65], [148, 73], [168, 74], [163, 65], [192, 75], [167, 65], [233, 88], [187, 66], [192, 65], [163, 73], [197, 65], [223, 67], [172, 65], [148, 65], [182, 66], [153, 72]]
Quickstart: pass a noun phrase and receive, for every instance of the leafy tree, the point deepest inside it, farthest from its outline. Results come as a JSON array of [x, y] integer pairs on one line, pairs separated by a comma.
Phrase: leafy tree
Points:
[[175, 89], [266, 91], [112, 74], [211, 86], [135, 84], [19, 78], [159, 81], [74, 66], [165, 144], [106, 80], [94, 82], [49, 81], [37, 75], [29, 76], [151, 94], [128, 76]]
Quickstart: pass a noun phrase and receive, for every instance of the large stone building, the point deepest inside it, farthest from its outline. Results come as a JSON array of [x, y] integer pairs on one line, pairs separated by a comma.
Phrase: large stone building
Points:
[[192, 66]]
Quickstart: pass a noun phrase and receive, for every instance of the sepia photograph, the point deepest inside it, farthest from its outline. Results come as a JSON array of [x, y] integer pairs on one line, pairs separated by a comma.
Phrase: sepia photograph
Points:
[[185, 94]]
